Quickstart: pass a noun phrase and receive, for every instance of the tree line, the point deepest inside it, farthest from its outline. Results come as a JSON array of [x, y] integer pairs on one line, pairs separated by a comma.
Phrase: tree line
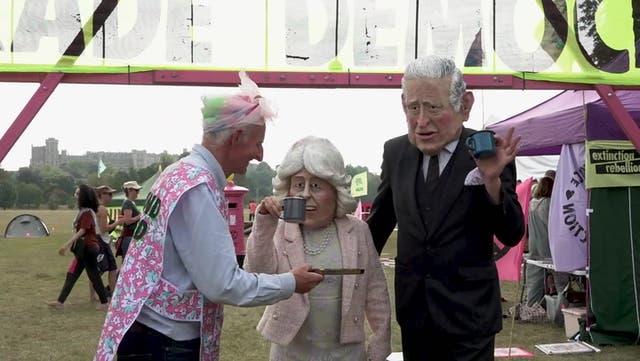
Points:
[[52, 187], [258, 181]]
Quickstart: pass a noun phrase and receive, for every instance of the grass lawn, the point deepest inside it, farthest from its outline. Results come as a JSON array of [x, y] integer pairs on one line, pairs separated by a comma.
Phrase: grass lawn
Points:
[[32, 272]]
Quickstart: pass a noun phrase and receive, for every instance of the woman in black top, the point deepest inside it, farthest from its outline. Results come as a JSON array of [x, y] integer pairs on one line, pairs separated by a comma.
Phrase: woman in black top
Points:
[[130, 216]]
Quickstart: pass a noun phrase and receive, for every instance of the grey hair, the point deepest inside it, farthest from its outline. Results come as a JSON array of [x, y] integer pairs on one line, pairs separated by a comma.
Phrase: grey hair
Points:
[[218, 137], [437, 67], [321, 158]]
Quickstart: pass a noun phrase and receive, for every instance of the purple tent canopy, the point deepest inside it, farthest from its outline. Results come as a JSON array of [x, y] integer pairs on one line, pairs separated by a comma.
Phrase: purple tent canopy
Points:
[[569, 117]]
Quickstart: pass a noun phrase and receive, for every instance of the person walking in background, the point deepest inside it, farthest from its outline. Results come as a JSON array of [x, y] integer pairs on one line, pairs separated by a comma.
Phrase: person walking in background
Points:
[[538, 228], [447, 206], [539, 250], [106, 226], [85, 245], [130, 216], [252, 210], [551, 173], [329, 322], [182, 266]]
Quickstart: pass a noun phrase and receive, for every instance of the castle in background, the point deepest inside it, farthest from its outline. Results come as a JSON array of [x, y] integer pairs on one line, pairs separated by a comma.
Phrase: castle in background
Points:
[[49, 155]]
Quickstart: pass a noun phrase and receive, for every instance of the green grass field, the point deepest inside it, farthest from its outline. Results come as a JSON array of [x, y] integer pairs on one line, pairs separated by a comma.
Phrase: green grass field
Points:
[[33, 272]]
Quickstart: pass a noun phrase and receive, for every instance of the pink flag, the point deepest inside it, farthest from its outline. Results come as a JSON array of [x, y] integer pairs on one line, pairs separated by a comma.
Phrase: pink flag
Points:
[[358, 211], [509, 260]]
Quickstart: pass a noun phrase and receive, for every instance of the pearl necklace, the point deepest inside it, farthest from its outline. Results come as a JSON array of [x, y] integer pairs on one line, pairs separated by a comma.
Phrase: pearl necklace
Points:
[[326, 237]]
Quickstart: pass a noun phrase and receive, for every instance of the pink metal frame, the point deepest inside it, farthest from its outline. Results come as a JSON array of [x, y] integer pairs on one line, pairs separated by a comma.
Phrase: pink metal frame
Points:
[[620, 114], [49, 81]]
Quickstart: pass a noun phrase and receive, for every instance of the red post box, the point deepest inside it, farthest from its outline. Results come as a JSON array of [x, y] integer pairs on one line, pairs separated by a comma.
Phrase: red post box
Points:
[[366, 210], [235, 201]]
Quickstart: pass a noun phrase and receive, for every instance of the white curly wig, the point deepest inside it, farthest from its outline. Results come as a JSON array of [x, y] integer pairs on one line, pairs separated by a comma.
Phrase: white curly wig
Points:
[[321, 158]]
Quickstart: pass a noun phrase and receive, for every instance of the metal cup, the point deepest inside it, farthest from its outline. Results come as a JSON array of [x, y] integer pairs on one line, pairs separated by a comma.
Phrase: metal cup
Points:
[[294, 209], [482, 143]]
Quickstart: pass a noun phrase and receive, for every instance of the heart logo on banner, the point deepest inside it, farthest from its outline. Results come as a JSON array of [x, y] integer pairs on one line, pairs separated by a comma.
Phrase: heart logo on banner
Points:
[[569, 194]]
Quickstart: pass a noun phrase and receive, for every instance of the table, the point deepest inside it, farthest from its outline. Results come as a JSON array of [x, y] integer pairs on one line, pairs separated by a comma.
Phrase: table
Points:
[[548, 264]]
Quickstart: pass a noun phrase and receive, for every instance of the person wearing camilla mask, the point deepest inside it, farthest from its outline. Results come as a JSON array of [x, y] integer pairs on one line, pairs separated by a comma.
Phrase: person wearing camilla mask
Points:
[[328, 323], [447, 206], [181, 265]]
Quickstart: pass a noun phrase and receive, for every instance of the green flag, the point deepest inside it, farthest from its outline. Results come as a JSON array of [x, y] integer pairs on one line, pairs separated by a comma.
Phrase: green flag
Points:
[[359, 185], [101, 167]]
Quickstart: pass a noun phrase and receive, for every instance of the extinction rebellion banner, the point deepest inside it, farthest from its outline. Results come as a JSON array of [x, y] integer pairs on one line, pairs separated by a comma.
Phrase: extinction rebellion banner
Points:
[[612, 163]]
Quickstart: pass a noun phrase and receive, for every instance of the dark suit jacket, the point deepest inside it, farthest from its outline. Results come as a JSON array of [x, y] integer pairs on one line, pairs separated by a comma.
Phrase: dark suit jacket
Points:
[[445, 276]]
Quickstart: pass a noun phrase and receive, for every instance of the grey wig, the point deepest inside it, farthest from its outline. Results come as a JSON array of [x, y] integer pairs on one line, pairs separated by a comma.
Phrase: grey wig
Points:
[[322, 159], [436, 67]]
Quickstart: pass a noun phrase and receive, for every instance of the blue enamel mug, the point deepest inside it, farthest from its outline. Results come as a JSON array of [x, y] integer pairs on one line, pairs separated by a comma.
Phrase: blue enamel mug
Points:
[[482, 144]]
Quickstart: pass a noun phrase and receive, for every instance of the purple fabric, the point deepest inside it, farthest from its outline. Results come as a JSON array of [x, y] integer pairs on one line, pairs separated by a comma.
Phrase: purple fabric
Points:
[[602, 126], [561, 120], [541, 151], [567, 212]]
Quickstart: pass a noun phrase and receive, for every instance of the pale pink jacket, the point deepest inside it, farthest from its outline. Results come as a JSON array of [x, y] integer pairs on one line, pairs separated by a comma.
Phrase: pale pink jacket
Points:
[[276, 247]]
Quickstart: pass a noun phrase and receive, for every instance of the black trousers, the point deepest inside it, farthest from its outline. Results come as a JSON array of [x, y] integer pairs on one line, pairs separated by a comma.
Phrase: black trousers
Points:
[[86, 259], [142, 343], [426, 344]]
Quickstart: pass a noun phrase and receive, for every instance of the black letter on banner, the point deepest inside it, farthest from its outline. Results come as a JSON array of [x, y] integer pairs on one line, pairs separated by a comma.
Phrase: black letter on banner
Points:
[[596, 52], [152, 206], [556, 27]]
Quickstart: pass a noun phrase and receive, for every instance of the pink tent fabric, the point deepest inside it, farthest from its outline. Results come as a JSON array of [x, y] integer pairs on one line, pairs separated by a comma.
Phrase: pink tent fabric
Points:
[[509, 264]]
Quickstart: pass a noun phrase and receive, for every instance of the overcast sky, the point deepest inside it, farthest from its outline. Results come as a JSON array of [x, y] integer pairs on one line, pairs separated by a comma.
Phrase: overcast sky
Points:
[[158, 118]]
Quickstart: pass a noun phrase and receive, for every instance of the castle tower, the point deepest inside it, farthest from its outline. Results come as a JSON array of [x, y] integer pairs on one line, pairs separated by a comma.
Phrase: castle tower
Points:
[[51, 155]]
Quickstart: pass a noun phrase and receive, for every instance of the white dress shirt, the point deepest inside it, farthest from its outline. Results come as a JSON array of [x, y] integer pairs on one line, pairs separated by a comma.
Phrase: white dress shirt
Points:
[[443, 158]]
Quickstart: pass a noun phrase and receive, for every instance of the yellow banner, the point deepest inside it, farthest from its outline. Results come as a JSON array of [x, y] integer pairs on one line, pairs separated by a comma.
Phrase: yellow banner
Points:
[[612, 163], [359, 185]]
